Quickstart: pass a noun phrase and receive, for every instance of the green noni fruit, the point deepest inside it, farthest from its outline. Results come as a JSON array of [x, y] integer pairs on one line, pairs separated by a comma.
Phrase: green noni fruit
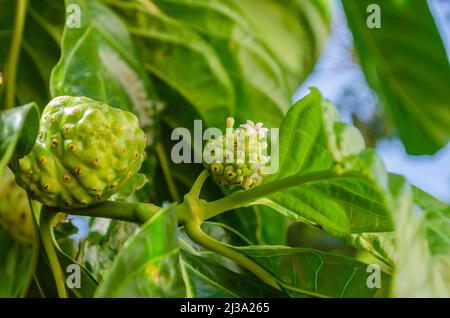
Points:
[[236, 159], [85, 152], [15, 213]]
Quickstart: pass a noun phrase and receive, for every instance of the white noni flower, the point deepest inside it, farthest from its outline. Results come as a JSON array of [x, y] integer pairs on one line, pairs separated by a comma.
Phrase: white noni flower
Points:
[[238, 162], [255, 129]]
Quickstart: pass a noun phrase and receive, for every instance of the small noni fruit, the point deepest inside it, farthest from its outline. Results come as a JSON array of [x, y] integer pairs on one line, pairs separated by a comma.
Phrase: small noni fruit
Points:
[[15, 213], [236, 159], [85, 152]]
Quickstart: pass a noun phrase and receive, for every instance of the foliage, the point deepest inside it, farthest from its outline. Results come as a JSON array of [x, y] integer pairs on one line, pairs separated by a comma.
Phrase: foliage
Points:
[[173, 61]]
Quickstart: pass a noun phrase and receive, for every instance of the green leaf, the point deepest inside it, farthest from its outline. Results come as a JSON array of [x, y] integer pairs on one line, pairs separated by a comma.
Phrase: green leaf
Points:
[[182, 60], [105, 239], [293, 31], [44, 282], [206, 279], [261, 87], [18, 132], [15, 258], [148, 264], [423, 243], [99, 61], [409, 73], [220, 232], [306, 272], [381, 245], [259, 224], [324, 176], [29, 59], [437, 216]]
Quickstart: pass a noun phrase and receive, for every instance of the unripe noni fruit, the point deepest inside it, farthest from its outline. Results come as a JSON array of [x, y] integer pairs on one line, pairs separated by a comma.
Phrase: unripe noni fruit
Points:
[[237, 158], [15, 213], [85, 152]]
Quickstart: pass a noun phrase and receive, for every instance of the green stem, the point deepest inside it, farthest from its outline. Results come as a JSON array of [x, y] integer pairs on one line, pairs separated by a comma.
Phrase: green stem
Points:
[[34, 255], [49, 243], [13, 58], [193, 229], [135, 212], [198, 184], [246, 197], [164, 162]]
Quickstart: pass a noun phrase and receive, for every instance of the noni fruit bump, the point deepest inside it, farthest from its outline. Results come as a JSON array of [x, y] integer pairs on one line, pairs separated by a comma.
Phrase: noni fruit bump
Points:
[[236, 159], [85, 152]]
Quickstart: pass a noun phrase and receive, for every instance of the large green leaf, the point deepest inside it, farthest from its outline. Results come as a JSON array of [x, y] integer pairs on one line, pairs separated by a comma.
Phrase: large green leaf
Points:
[[35, 52], [18, 131], [306, 272], [294, 31], [262, 90], [148, 264], [181, 59], [99, 61], [423, 243], [204, 278], [15, 258], [324, 175], [300, 271], [409, 73], [313, 139]]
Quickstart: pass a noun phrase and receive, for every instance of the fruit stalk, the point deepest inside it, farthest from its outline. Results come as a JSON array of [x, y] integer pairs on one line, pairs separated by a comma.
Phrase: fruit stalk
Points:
[[49, 243]]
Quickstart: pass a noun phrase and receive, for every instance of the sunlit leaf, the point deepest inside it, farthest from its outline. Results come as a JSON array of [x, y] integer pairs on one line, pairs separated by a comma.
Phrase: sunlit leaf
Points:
[[410, 74], [148, 264], [18, 132]]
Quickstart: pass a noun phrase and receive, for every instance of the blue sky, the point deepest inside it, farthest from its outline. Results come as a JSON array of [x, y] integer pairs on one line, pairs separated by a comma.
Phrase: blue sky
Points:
[[336, 71]]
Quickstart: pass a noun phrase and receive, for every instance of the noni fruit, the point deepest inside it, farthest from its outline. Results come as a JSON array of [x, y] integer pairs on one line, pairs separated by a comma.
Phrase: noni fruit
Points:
[[236, 159], [85, 152], [15, 213]]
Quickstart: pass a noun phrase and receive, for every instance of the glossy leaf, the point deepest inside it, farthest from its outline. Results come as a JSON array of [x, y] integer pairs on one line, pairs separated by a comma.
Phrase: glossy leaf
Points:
[[324, 175], [293, 31], [260, 224], [423, 243], [99, 61], [409, 73], [181, 59], [306, 272], [206, 279], [302, 272], [220, 232], [37, 51], [18, 131], [102, 244], [15, 260], [148, 264], [262, 90], [381, 245]]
